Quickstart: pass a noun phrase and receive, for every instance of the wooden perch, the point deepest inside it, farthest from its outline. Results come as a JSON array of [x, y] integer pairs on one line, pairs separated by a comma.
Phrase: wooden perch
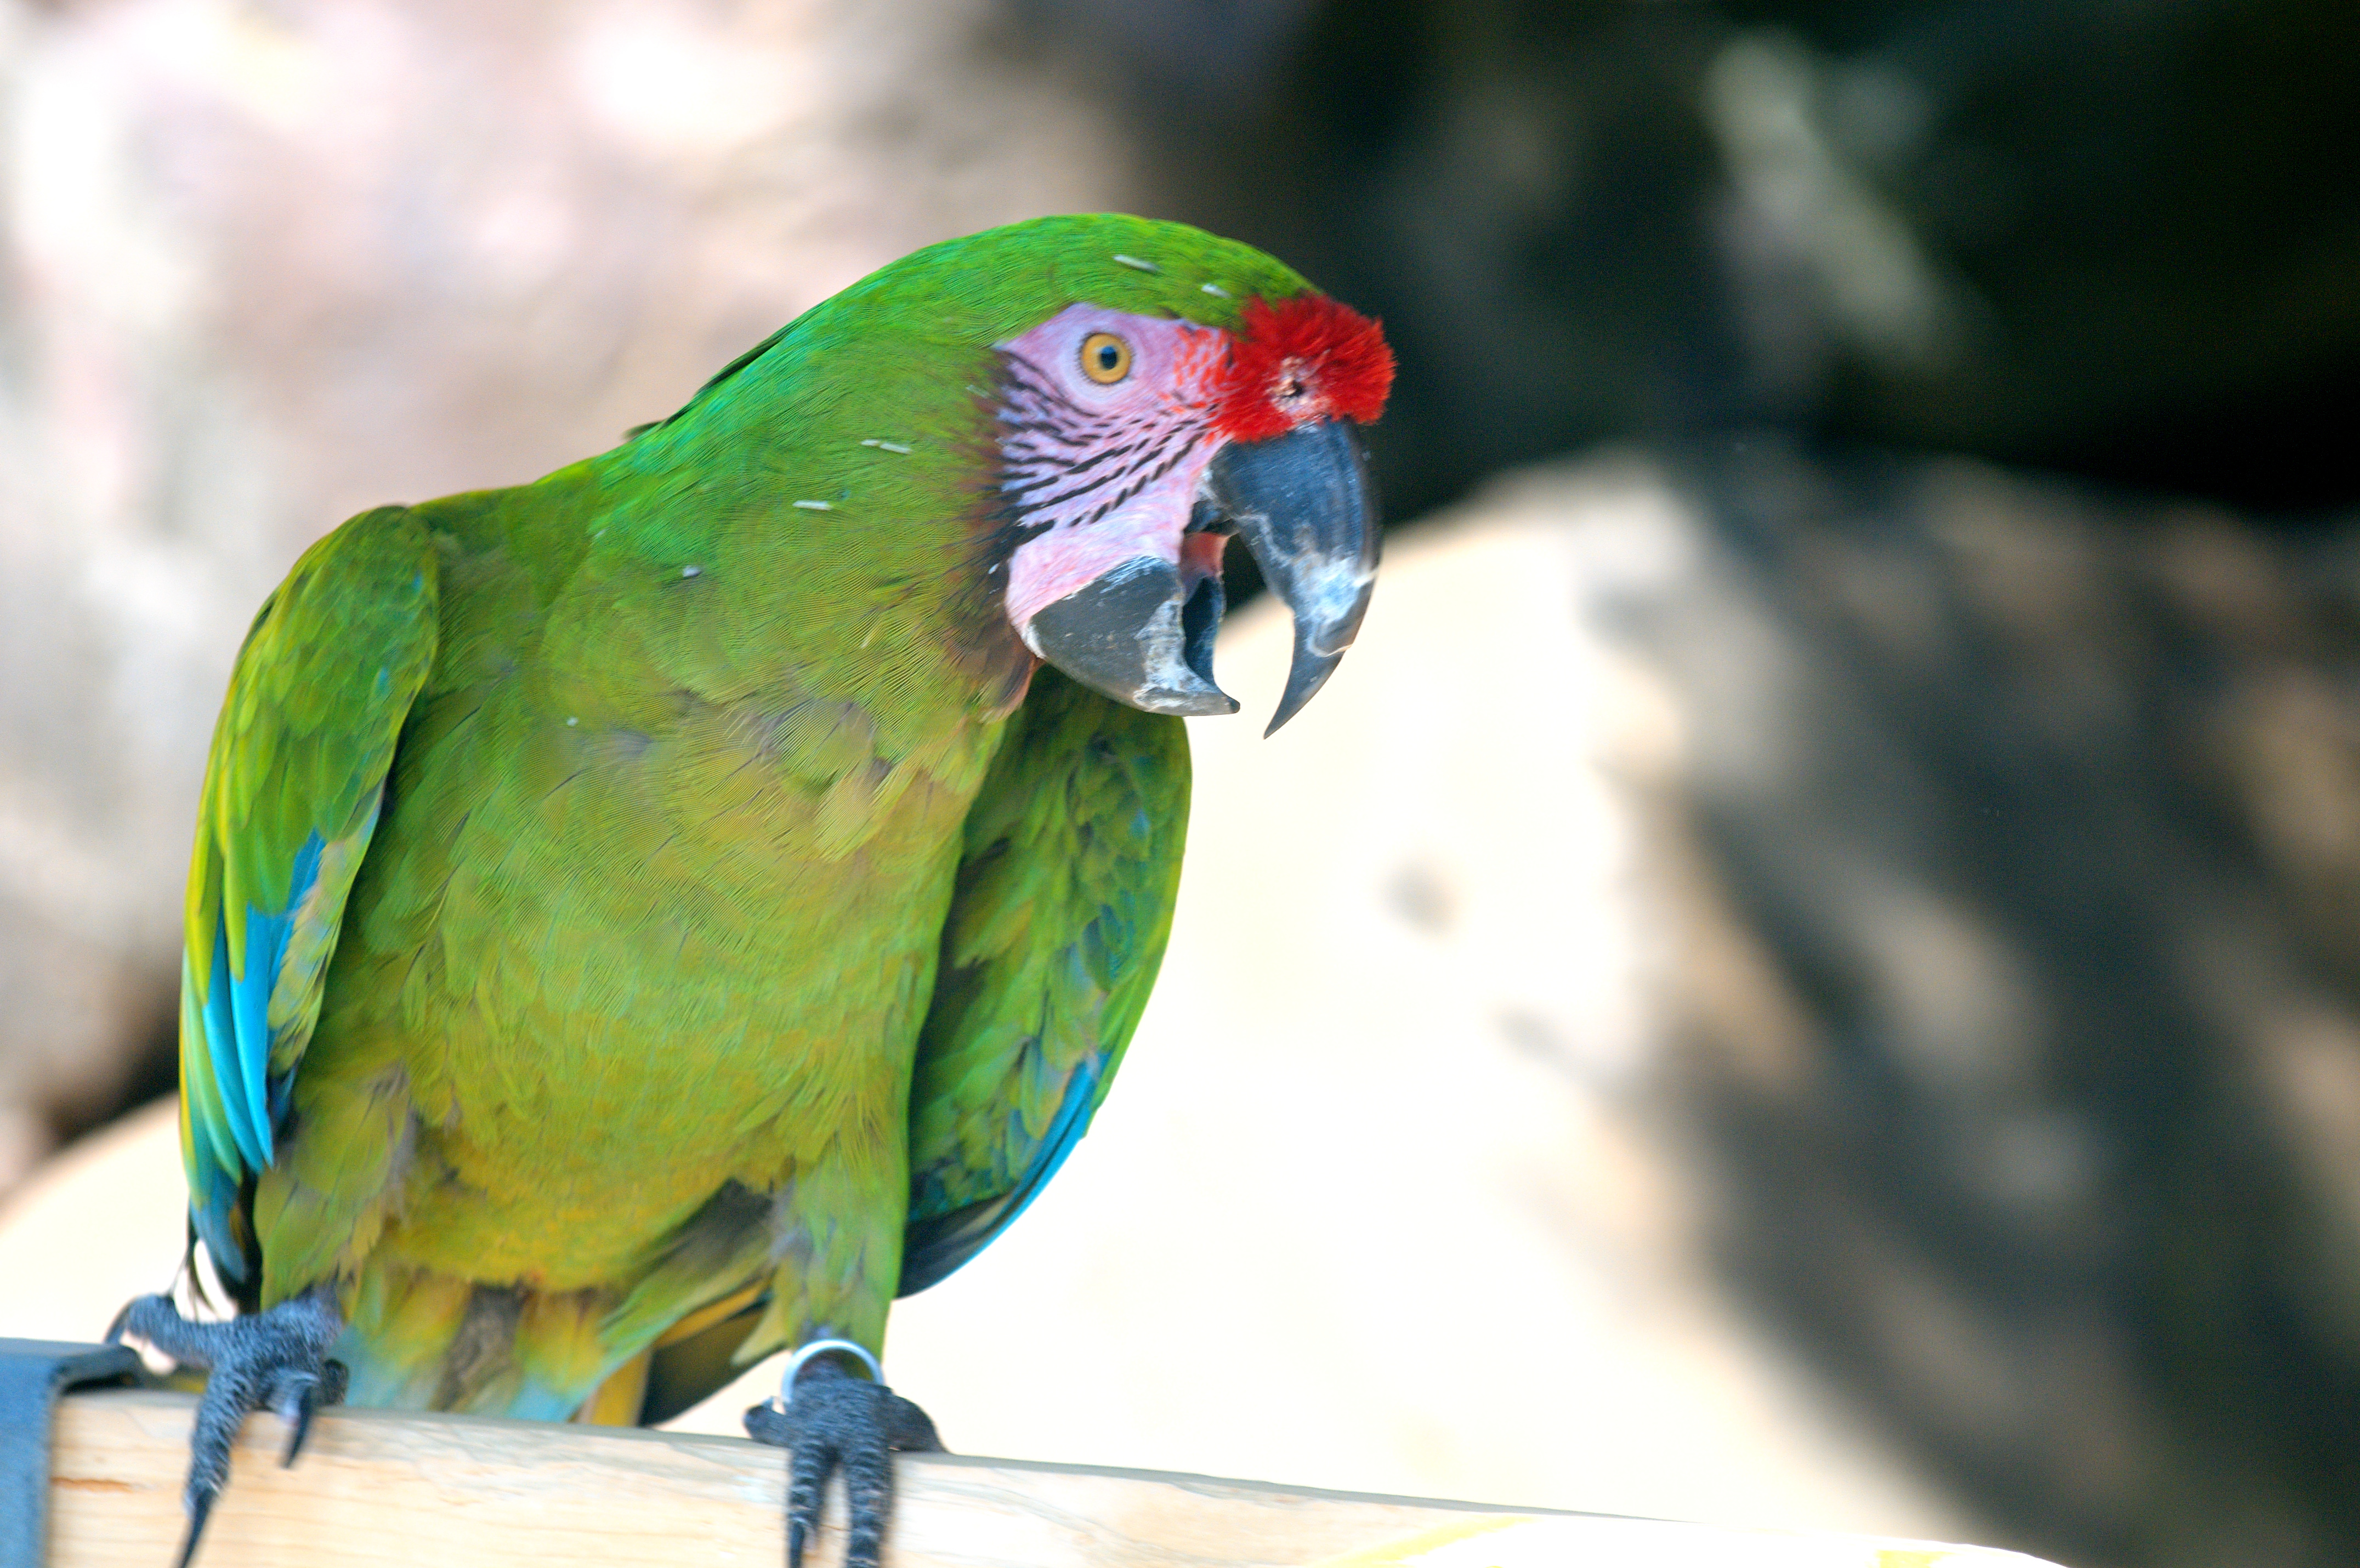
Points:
[[379, 1486]]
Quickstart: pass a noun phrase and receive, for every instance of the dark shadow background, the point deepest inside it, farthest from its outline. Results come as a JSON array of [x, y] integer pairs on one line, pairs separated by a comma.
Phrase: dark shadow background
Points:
[[2104, 237]]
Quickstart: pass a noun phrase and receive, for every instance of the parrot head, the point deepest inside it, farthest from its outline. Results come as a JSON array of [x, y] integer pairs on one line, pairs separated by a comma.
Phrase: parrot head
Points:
[[1134, 447], [1114, 398]]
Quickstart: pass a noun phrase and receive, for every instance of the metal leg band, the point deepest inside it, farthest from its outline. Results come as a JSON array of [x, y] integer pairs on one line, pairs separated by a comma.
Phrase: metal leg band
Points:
[[821, 1347]]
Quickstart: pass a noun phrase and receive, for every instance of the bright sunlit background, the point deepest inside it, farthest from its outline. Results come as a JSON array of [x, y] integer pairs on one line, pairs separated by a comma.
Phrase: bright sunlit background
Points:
[[1805, 972]]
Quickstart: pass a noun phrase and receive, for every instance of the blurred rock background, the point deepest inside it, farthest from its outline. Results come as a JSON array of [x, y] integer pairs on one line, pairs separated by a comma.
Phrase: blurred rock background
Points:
[[1833, 998]]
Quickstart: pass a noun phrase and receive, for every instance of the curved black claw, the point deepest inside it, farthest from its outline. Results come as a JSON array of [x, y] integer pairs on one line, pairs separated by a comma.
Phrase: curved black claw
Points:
[[275, 1360], [837, 1422]]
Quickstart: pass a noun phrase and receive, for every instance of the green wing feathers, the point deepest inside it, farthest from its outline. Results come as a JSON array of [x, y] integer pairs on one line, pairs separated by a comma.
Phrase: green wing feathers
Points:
[[1062, 911], [293, 791]]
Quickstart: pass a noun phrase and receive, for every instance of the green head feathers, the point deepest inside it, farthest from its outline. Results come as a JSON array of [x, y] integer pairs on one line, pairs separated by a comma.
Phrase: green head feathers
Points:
[[945, 393]]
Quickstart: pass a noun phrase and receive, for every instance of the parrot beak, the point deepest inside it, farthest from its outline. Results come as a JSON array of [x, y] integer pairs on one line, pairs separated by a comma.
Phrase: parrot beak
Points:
[[1142, 634], [1304, 504]]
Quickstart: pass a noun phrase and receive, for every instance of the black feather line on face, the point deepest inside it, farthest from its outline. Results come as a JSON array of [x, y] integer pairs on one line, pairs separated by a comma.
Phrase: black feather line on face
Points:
[[1047, 442], [1012, 522]]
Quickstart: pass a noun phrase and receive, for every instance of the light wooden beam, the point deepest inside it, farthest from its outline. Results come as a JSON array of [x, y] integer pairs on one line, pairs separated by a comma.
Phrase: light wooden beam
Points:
[[378, 1486]]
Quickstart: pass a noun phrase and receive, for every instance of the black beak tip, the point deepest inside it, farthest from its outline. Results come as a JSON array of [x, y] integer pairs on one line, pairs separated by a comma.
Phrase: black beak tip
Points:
[[1308, 672]]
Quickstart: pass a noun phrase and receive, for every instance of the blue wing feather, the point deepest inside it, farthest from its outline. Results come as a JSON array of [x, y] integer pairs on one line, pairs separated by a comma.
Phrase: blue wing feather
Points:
[[229, 1063], [238, 1036]]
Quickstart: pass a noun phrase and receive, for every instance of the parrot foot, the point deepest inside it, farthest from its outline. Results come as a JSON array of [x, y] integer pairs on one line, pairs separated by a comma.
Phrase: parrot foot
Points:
[[275, 1360], [835, 1421]]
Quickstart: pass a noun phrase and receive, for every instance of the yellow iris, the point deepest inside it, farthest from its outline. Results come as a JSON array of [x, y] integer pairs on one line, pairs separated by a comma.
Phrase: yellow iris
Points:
[[1106, 358]]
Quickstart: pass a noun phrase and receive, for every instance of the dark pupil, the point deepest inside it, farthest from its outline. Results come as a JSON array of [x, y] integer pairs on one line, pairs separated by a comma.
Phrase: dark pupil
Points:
[[1108, 356]]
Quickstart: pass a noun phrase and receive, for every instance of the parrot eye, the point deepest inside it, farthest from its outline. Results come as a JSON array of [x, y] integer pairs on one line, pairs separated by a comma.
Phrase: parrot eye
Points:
[[1106, 358]]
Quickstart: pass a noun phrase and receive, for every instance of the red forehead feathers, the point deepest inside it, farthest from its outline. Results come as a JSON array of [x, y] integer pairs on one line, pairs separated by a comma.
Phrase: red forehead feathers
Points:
[[1304, 358]]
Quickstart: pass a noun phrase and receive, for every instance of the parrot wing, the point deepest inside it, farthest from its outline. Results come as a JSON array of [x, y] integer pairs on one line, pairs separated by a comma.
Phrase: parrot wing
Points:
[[293, 791], [1062, 906]]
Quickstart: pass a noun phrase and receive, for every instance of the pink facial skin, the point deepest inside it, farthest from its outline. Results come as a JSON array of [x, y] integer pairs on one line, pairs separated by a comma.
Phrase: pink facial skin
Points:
[[1111, 470]]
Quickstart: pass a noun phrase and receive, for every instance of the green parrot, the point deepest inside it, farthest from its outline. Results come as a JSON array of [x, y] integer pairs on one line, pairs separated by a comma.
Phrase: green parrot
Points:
[[646, 920]]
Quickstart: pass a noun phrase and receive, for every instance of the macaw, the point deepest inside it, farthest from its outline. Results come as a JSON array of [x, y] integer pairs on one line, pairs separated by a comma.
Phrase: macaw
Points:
[[648, 919]]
